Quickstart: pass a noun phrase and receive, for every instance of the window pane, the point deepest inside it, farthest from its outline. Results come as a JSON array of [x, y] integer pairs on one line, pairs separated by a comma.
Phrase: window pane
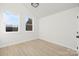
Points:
[[29, 21], [28, 27], [11, 21], [28, 24]]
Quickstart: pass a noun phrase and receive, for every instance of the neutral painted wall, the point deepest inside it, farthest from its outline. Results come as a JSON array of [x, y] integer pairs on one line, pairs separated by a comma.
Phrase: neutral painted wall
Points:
[[7, 38], [60, 28]]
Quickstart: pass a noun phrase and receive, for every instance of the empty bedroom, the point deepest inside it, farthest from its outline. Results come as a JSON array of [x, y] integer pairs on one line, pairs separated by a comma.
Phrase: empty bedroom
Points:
[[39, 29]]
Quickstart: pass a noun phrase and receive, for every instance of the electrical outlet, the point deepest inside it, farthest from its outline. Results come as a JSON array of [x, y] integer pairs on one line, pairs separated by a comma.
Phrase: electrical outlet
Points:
[[77, 32], [77, 17], [77, 47]]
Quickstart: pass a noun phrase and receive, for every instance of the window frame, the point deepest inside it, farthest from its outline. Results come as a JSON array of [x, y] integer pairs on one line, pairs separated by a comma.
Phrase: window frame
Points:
[[6, 24], [29, 24]]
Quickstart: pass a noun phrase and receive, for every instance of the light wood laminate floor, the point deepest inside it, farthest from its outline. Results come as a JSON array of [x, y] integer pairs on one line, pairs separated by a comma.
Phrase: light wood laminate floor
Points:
[[36, 48]]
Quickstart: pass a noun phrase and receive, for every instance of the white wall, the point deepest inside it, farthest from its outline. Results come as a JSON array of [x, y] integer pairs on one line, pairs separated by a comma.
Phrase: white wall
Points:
[[60, 28], [8, 38]]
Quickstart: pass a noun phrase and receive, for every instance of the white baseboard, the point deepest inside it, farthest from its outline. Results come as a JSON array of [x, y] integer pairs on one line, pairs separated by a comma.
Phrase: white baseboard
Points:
[[21, 41], [15, 42], [43, 38]]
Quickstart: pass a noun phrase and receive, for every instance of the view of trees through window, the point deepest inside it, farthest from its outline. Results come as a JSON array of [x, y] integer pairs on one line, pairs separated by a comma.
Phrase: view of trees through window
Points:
[[28, 24], [11, 21]]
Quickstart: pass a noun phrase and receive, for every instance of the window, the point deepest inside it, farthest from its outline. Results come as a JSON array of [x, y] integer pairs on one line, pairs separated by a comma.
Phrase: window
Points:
[[11, 21], [28, 24]]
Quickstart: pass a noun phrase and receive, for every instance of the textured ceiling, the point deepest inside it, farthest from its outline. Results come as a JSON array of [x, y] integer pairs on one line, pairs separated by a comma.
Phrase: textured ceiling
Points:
[[45, 9]]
